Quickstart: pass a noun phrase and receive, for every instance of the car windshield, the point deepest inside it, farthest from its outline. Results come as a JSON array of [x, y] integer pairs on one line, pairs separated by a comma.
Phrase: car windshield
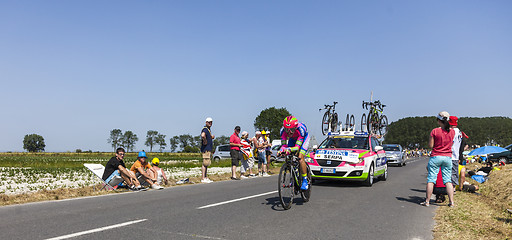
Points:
[[348, 142], [391, 148]]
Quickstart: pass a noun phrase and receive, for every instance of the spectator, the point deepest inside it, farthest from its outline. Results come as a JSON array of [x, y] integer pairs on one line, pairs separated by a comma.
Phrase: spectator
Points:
[[236, 155], [206, 149], [141, 167], [248, 159], [157, 172], [268, 153], [457, 140], [262, 159], [441, 141], [115, 167]]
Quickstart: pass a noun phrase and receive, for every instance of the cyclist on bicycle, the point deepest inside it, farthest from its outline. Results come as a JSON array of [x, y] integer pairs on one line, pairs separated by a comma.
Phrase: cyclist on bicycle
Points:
[[295, 138]]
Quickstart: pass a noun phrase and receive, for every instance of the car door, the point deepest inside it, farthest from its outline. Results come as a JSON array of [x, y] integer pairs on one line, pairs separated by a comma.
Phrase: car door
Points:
[[224, 151], [380, 162]]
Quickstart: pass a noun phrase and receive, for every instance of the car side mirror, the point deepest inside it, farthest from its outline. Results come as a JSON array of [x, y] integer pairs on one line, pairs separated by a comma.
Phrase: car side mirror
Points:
[[378, 148]]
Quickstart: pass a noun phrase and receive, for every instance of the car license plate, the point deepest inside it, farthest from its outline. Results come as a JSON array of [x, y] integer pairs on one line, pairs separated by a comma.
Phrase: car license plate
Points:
[[328, 170]]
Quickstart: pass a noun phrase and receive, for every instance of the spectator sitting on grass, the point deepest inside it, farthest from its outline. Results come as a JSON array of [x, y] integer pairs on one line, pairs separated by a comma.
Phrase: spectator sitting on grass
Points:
[[115, 167], [140, 168], [157, 172]]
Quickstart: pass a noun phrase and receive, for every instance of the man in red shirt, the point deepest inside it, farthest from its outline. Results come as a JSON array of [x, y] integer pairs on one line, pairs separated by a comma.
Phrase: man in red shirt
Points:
[[236, 155]]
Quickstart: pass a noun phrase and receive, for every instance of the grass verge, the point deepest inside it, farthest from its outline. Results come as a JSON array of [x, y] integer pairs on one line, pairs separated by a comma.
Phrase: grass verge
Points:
[[483, 216], [68, 193]]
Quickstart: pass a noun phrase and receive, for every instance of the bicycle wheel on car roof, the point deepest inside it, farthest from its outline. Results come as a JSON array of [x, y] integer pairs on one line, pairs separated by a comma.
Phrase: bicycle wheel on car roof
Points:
[[350, 123], [285, 186], [325, 123], [373, 123], [363, 122], [307, 193], [383, 128], [334, 122]]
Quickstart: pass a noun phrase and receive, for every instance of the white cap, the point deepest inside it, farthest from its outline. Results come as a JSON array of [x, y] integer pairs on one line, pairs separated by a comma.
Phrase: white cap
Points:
[[245, 133], [209, 119]]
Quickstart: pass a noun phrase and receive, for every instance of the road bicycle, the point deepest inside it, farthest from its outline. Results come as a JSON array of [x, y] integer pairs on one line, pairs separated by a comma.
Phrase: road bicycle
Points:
[[290, 181], [376, 121], [330, 119]]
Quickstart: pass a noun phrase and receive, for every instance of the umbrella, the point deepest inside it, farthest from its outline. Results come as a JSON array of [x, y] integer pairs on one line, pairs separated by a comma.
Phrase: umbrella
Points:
[[487, 150]]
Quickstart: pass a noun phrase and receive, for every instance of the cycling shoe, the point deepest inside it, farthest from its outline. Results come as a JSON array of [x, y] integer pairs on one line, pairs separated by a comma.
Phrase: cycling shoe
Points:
[[304, 185]]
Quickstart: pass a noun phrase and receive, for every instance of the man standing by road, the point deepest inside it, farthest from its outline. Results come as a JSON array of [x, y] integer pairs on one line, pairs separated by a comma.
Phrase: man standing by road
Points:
[[235, 143], [206, 149], [115, 167]]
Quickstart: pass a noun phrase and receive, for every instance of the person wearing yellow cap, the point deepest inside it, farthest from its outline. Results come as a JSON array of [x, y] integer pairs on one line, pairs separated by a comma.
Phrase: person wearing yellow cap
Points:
[[157, 172]]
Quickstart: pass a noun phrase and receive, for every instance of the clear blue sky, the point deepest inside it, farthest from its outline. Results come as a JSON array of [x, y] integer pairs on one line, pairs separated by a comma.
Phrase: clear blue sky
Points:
[[71, 71]]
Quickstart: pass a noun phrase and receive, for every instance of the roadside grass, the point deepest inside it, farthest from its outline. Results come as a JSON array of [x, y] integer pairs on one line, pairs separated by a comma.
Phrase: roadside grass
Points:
[[55, 163], [483, 216]]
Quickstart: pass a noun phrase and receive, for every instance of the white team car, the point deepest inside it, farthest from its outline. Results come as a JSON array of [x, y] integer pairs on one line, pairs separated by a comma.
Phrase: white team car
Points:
[[351, 156]]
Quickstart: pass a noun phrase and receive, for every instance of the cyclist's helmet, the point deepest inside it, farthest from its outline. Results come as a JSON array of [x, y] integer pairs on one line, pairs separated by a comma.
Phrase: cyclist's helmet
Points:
[[290, 122]]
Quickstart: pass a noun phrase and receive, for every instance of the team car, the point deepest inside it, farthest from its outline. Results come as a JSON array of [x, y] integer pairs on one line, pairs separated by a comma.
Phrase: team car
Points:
[[350, 156]]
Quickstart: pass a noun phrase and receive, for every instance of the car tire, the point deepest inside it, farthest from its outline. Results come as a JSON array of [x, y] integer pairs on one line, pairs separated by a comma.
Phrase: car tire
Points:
[[216, 159], [369, 179], [384, 176]]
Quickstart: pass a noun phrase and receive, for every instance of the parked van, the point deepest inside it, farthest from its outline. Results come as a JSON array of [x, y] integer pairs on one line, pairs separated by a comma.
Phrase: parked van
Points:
[[221, 151]]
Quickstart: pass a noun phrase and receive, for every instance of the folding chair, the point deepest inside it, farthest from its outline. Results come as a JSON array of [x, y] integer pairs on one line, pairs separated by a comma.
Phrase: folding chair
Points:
[[98, 170]]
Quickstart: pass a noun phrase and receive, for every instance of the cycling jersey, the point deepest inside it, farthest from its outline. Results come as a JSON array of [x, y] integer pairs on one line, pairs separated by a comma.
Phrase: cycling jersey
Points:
[[299, 140]]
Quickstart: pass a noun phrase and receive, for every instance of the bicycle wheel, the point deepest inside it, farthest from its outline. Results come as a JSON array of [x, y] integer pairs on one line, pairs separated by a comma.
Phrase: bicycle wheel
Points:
[[325, 123], [347, 122], [363, 122], [285, 186], [373, 123], [383, 125], [307, 194], [334, 122], [352, 123]]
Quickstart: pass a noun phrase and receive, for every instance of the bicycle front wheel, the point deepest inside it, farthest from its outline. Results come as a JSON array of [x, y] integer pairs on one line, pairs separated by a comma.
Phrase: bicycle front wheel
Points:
[[383, 125], [307, 194], [325, 123], [285, 186], [334, 122], [363, 122], [373, 123]]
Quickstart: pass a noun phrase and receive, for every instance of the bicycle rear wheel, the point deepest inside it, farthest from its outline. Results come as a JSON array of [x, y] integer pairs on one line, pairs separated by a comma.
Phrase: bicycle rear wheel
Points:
[[325, 123], [285, 186], [363, 122], [383, 125], [307, 194]]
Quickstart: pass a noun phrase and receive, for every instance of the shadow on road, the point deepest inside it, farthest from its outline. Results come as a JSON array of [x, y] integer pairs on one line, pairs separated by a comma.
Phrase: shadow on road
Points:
[[419, 190], [327, 183], [411, 199], [276, 204]]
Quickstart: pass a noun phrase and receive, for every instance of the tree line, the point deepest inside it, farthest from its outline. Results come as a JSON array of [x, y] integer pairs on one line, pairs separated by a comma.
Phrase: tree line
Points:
[[413, 132], [270, 120]]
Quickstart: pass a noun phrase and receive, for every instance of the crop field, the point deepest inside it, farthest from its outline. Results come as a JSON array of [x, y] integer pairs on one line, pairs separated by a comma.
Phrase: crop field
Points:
[[32, 172]]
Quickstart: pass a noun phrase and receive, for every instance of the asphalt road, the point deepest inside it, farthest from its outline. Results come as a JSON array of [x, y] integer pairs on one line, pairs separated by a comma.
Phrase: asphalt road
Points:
[[337, 210]]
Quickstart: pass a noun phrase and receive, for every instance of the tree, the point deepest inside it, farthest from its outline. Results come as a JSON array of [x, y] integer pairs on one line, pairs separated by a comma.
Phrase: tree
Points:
[[151, 139], [413, 132], [160, 141], [33, 143], [129, 140], [185, 142], [174, 143], [271, 119], [115, 138], [220, 141]]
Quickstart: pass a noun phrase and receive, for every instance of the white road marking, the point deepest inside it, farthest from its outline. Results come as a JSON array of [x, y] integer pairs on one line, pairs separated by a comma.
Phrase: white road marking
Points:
[[96, 230], [236, 200]]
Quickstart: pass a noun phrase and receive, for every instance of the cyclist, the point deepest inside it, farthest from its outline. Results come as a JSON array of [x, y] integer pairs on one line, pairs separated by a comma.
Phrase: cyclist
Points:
[[295, 138]]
